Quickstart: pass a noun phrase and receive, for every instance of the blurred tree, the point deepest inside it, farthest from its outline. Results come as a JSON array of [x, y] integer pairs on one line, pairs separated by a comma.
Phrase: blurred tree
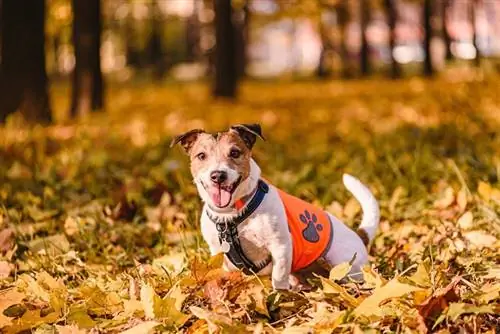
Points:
[[23, 81], [473, 9], [365, 47], [226, 76], [392, 17], [193, 32], [343, 15], [445, 6], [154, 46], [242, 33], [324, 70], [87, 94], [427, 20]]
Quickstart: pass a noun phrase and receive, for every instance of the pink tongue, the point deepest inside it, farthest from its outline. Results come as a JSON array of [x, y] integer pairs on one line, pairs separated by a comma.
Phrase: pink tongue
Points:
[[220, 197]]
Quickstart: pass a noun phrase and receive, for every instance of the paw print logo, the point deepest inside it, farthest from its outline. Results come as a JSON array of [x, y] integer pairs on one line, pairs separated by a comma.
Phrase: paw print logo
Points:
[[310, 232]]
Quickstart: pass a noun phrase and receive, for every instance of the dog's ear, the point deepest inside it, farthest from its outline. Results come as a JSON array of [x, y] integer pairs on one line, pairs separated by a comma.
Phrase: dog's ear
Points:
[[187, 139], [248, 133]]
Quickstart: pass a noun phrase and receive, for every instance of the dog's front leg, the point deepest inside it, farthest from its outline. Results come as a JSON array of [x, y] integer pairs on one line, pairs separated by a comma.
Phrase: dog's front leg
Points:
[[281, 254]]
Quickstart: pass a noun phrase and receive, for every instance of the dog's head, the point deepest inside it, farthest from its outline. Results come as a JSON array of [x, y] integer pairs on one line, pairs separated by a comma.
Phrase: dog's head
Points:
[[221, 162]]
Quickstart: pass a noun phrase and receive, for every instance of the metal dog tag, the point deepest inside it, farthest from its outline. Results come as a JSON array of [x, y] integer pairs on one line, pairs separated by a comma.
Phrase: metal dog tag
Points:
[[225, 246]]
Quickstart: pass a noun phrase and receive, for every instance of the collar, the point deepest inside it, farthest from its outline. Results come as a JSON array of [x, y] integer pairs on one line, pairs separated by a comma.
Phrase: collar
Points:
[[227, 229]]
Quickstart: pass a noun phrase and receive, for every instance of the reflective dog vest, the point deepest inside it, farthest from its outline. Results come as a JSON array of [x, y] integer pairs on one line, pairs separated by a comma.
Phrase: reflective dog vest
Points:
[[309, 226], [311, 230]]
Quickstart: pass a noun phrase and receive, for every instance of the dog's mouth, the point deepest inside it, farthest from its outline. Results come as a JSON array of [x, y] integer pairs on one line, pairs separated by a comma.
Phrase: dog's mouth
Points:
[[221, 194]]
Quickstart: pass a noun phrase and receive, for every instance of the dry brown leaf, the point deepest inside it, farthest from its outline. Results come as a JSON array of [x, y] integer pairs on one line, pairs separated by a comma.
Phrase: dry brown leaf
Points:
[[431, 308]]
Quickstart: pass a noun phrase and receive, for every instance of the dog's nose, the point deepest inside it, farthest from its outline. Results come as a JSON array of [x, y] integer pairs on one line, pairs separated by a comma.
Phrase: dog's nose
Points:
[[218, 176]]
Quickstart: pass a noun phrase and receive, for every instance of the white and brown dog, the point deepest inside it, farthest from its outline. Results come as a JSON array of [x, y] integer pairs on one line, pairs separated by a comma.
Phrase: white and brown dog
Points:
[[260, 228]]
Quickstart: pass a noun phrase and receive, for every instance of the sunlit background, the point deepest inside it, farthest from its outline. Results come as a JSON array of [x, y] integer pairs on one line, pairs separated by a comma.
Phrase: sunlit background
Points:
[[281, 39]]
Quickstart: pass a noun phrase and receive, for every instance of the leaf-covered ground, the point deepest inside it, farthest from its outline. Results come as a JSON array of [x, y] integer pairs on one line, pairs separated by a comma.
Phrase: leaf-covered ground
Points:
[[99, 219]]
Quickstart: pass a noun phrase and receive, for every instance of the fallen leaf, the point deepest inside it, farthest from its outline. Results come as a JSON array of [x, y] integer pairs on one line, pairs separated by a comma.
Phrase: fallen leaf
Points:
[[69, 329], [52, 245], [340, 271], [143, 328], [214, 320], [431, 308], [466, 221], [161, 308], [480, 239], [372, 278], [334, 288], [5, 269], [8, 298], [484, 190], [7, 239], [447, 198], [394, 288], [489, 292], [455, 310]]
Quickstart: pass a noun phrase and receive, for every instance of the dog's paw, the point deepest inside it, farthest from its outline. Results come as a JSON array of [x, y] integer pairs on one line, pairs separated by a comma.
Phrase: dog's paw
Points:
[[281, 284]]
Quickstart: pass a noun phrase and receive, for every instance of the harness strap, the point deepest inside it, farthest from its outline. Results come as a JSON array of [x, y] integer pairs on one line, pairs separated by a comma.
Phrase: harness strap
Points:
[[228, 232]]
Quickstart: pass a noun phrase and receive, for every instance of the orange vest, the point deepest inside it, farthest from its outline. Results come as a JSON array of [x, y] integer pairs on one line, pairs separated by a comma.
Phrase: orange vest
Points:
[[311, 230], [310, 227]]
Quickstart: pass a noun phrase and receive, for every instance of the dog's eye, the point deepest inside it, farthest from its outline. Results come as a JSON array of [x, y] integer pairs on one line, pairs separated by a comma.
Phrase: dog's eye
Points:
[[201, 156], [234, 153]]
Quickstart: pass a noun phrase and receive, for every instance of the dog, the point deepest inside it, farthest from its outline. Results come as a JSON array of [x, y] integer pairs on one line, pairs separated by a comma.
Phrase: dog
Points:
[[261, 229]]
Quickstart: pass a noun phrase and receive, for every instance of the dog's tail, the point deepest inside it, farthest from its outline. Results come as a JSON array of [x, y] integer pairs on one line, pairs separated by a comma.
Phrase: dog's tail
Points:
[[369, 205]]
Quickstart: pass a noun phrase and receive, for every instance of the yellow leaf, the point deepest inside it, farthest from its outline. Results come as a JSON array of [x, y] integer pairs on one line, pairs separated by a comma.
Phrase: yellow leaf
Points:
[[30, 320], [143, 328], [78, 316], [340, 271], [393, 289], [158, 308], [213, 320], [484, 190], [372, 278], [455, 310], [489, 292], [334, 288], [422, 276]]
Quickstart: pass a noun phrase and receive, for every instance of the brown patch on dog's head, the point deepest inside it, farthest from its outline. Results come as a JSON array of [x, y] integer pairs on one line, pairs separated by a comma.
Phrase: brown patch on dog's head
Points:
[[220, 162]]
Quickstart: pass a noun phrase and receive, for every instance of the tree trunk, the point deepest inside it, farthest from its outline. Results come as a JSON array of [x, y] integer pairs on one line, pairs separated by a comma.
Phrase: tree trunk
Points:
[[365, 48], [23, 81], [473, 16], [193, 31], [444, 25], [392, 17], [155, 49], [87, 94], [225, 62], [242, 39], [427, 17], [323, 71], [343, 19]]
